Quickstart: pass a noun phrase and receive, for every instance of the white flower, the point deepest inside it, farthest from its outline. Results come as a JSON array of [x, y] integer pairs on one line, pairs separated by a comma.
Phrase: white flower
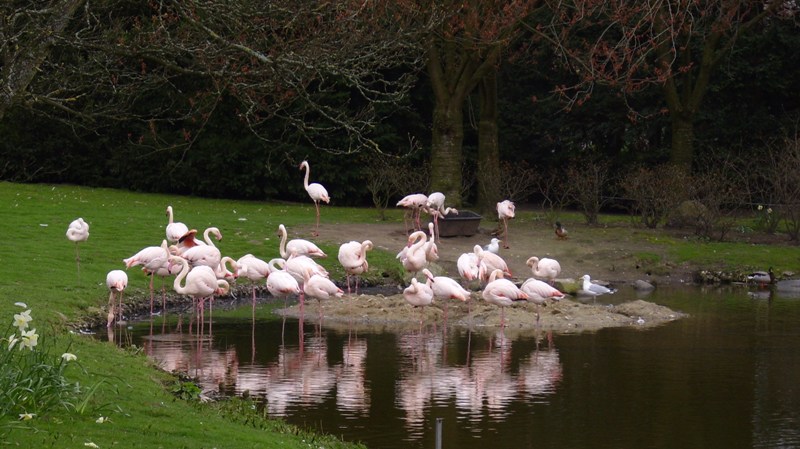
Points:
[[101, 420], [90, 444], [29, 339], [769, 210], [21, 320], [26, 416], [760, 207], [69, 357], [21, 304], [12, 340]]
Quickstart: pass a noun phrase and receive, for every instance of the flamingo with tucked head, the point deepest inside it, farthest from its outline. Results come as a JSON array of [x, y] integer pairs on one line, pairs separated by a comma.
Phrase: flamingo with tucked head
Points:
[[544, 268], [78, 231], [418, 295], [502, 292], [505, 211], [353, 257], [446, 288], [316, 191], [414, 257]]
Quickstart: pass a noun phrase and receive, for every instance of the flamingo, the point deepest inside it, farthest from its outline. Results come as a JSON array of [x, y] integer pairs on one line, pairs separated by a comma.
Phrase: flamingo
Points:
[[435, 207], [297, 247], [353, 258], [431, 249], [78, 231], [316, 191], [493, 246], [539, 291], [502, 292], [199, 283], [446, 288], [414, 202], [254, 269], [222, 271], [505, 211], [488, 262], [591, 289], [281, 284], [321, 288], [544, 268], [163, 271], [467, 265], [418, 295], [413, 257], [151, 258], [116, 281], [175, 229], [297, 266]]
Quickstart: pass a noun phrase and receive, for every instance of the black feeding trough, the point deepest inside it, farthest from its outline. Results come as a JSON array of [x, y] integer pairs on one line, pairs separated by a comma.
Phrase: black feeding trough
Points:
[[465, 223]]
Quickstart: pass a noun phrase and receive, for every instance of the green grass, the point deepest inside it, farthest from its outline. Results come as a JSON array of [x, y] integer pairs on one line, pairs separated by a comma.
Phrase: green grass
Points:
[[39, 268]]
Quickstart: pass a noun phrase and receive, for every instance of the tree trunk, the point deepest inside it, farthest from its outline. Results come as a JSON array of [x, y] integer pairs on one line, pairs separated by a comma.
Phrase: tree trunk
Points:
[[24, 63], [488, 173], [682, 149], [447, 140]]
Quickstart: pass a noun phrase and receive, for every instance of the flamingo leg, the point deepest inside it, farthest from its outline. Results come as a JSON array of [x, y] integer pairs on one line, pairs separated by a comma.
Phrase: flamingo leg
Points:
[[505, 233], [316, 228], [152, 275]]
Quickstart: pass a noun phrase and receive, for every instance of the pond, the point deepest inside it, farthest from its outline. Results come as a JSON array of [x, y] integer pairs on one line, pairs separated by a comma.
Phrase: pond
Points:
[[726, 376]]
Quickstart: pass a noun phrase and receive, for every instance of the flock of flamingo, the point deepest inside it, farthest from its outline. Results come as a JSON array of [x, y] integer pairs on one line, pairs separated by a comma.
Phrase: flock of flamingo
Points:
[[201, 271]]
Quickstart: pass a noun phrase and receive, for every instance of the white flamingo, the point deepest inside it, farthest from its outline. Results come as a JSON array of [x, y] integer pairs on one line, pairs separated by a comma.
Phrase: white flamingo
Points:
[[353, 258], [199, 283], [151, 259], [78, 231], [502, 292], [418, 295], [505, 211], [116, 281], [316, 191], [446, 288], [175, 229], [467, 265], [414, 258], [544, 268], [539, 292], [414, 202], [488, 262], [321, 288], [297, 247]]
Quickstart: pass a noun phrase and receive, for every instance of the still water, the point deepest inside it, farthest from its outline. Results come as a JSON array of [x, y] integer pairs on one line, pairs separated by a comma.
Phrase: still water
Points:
[[726, 377]]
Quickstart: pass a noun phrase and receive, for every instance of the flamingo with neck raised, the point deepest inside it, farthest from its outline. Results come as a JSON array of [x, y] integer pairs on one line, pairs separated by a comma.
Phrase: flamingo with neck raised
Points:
[[316, 191]]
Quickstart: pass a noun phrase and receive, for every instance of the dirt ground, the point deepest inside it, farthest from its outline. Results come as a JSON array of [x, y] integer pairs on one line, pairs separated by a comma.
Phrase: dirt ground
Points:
[[609, 255]]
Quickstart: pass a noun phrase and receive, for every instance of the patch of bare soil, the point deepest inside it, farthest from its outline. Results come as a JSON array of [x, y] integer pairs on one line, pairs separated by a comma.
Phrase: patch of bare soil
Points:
[[611, 255]]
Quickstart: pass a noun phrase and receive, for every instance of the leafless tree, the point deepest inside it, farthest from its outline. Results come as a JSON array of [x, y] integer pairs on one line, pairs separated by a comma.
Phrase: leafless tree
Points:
[[655, 192], [589, 180]]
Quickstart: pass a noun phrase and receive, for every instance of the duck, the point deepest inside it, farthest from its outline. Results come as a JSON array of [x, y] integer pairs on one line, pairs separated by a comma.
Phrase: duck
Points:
[[762, 278], [561, 231]]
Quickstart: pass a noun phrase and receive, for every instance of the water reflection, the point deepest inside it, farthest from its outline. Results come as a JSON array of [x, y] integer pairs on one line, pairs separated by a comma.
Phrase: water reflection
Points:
[[386, 388]]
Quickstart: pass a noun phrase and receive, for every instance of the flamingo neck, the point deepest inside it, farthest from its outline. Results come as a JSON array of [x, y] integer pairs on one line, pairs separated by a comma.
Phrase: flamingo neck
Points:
[[181, 290], [307, 168], [282, 248]]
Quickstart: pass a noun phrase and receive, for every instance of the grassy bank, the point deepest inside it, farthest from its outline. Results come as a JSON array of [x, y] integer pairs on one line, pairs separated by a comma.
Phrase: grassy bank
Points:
[[39, 269]]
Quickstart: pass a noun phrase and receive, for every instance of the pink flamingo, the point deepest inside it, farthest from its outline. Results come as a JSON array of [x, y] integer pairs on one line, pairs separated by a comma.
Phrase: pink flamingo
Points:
[[539, 291], [446, 288], [413, 256], [78, 231], [281, 284], [199, 283], [505, 211], [431, 249], [316, 191], [254, 269], [353, 258], [488, 262], [297, 247], [467, 265], [175, 229], [116, 281], [418, 295], [151, 259], [414, 202], [502, 292], [297, 266], [544, 268], [435, 207], [321, 288]]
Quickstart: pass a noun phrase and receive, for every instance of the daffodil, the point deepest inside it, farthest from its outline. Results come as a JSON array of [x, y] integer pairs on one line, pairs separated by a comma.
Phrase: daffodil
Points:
[[26, 416], [90, 444], [29, 339], [101, 420], [760, 207], [69, 357], [12, 340], [21, 304], [21, 320]]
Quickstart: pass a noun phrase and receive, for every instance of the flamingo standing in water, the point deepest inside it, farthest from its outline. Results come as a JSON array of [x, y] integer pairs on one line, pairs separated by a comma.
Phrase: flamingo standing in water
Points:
[[78, 231], [321, 288], [316, 191], [253, 269], [297, 247], [505, 211], [199, 283], [116, 281], [151, 259], [175, 229], [353, 257], [502, 292]]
